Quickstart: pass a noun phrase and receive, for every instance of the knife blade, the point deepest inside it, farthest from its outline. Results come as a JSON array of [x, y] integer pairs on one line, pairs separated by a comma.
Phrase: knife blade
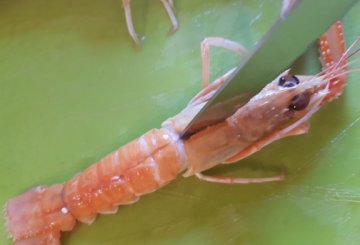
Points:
[[289, 37]]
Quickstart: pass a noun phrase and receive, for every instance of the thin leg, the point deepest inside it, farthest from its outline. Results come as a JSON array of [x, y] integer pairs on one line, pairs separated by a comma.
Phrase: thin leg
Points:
[[207, 92], [301, 129], [205, 53], [257, 146], [232, 180], [169, 7], [129, 22]]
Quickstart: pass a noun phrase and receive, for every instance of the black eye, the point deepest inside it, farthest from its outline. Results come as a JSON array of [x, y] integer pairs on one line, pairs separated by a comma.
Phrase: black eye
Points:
[[299, 102], [288, 81]]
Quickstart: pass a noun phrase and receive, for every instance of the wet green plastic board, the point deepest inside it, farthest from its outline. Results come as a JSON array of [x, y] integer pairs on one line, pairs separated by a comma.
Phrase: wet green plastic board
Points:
[[73, 88]]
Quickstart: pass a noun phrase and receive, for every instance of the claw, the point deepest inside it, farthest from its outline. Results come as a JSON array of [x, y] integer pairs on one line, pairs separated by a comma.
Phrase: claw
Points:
[[332, 48]]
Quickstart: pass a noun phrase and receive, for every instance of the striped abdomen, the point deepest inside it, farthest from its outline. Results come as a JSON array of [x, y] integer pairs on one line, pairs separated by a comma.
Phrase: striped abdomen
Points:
[[142, 166]]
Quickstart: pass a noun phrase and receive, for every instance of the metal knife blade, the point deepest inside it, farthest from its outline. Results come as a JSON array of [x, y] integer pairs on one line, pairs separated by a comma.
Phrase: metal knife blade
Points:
[[291, 35]]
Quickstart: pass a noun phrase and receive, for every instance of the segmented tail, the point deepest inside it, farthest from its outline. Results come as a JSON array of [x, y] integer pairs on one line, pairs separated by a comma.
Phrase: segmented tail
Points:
[[38, 216], [142, 166]]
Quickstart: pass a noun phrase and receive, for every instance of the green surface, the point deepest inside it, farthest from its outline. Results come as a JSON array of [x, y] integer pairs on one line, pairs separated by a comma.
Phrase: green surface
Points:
[[73, 88]]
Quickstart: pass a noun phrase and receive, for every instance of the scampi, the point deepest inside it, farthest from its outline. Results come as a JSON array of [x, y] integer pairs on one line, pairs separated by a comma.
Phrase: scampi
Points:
[[282, 108]]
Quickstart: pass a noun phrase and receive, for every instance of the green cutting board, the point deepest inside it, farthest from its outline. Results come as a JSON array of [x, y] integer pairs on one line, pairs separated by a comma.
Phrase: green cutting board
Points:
[[73, 87]]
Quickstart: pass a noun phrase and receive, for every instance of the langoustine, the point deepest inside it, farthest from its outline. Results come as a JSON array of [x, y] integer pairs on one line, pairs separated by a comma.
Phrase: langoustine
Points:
[[146, 164]]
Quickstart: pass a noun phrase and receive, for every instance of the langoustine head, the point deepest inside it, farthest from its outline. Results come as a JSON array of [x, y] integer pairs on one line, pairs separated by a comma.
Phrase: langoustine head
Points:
[[284, 101], [282, 108], [283, 105], [290, 100]]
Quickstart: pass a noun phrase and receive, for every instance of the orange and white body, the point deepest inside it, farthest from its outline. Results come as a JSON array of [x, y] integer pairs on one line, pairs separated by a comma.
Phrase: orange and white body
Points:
[[146, 164]]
